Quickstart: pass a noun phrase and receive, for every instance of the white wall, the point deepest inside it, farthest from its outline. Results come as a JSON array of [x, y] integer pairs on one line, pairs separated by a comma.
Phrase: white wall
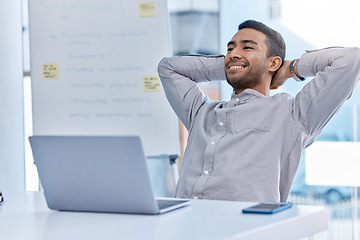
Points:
[[337, 24], [11, 98]]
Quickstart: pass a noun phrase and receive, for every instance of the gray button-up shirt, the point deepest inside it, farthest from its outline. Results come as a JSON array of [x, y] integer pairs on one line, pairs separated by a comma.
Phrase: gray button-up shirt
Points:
[[249, 148]]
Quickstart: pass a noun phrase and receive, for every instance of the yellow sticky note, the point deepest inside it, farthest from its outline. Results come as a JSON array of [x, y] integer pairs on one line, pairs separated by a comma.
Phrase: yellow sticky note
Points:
[[152, 83], [147, 9], [50, 71]]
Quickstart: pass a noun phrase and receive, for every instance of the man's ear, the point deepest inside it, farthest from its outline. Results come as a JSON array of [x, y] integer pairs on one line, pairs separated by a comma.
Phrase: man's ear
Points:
[[274, 63]]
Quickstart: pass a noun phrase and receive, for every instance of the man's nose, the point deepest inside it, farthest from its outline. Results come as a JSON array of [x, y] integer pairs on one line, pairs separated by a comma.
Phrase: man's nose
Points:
[[235, 54]]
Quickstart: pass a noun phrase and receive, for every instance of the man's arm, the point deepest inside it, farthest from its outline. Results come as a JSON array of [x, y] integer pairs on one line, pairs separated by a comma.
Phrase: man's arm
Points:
[[179, 77], [336, 71]]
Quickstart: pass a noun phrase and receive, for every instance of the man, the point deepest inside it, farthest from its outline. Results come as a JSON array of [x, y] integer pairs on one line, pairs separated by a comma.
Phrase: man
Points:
[[249, 148]]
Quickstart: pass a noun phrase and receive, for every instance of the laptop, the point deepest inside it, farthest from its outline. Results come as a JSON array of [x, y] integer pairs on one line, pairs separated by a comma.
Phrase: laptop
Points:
[[97, 174]]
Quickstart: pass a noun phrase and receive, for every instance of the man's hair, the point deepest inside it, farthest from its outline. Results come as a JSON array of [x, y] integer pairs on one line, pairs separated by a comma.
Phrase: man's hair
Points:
[[274, 40]]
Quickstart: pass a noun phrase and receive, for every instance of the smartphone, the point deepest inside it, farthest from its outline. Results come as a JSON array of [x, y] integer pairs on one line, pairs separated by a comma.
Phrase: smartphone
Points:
[[268, 207]]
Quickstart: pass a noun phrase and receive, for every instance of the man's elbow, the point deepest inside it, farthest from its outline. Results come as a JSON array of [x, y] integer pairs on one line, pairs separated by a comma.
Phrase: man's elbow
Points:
[[164, 67], [353, 56]]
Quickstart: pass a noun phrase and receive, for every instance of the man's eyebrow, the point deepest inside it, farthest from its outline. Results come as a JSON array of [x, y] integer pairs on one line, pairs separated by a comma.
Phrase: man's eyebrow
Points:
[[249, 41], [243, 41], [231, 43]]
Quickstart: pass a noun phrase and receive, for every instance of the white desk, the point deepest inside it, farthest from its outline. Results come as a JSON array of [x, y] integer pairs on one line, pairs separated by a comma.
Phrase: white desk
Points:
[[26, 216]]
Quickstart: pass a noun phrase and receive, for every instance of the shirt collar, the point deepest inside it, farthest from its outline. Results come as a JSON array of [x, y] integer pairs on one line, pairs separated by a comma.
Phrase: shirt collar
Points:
[[247, 94]]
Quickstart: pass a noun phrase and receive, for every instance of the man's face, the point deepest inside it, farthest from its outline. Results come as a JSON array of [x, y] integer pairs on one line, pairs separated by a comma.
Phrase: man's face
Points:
[[246, 59]]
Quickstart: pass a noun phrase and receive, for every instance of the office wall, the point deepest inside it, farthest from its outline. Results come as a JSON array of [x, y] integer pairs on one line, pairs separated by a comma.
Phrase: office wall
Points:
[[11, 98]]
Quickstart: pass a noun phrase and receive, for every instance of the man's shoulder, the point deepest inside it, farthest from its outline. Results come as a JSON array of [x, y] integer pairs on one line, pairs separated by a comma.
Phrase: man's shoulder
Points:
[[282, 96]]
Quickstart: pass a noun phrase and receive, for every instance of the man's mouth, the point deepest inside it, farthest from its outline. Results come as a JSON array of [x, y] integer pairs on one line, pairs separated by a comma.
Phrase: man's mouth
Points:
[[236, 67], [233, 66]]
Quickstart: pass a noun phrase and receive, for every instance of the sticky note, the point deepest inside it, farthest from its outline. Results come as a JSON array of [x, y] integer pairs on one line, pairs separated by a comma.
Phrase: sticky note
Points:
[[152, 83], [147, 9], [50, 71]]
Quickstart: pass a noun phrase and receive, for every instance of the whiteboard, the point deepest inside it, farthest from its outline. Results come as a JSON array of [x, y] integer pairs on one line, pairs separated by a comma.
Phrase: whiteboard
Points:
[[94, 70]]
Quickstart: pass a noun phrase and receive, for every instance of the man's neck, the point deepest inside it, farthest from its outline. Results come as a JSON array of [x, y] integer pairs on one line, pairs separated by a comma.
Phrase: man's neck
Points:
[[264, 90]]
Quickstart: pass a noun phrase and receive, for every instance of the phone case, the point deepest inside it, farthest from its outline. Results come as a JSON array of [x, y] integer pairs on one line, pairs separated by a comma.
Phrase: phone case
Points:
[[268, 207]]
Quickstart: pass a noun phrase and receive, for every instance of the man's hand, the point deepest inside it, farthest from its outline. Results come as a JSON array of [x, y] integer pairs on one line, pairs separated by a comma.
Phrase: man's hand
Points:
[[281, 75]]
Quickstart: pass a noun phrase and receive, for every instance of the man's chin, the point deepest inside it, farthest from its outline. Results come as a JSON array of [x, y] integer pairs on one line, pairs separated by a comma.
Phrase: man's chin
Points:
[[234, 82], [240, 84]]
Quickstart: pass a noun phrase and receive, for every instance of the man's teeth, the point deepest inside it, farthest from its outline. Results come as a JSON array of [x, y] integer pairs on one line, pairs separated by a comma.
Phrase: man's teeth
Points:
[[235, 67]]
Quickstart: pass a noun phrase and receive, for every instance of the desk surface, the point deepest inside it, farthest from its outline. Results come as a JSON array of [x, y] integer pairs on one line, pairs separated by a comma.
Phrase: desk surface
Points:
[[26, 216]]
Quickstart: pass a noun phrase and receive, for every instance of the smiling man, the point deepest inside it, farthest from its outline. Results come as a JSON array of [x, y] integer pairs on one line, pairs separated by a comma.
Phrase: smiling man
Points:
[[249, 148], [250, 63]]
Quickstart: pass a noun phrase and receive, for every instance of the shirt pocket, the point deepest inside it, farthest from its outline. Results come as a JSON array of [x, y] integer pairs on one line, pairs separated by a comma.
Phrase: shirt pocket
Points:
[[257, 117]]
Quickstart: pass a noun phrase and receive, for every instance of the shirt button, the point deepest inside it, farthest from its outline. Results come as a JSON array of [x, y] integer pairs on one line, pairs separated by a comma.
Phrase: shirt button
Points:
[[221, 124], [206, 172], [212, 143], [237, 99]]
